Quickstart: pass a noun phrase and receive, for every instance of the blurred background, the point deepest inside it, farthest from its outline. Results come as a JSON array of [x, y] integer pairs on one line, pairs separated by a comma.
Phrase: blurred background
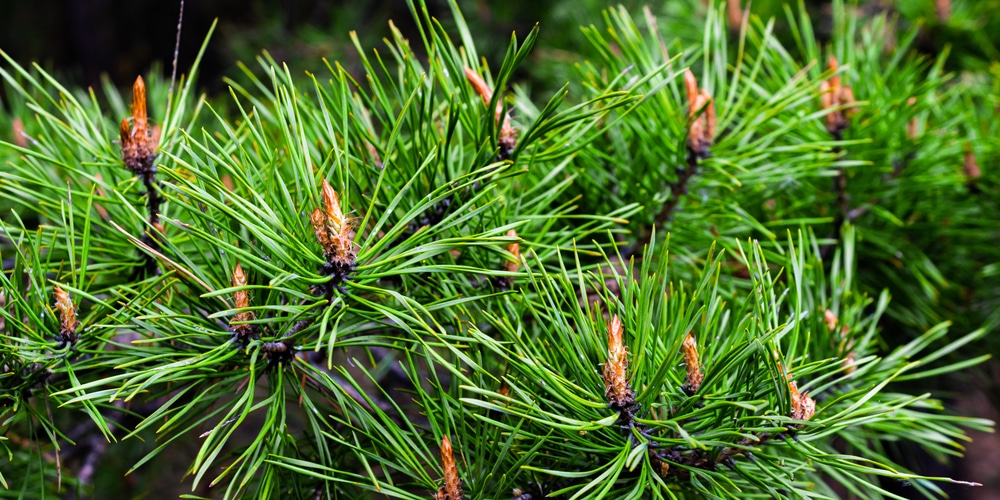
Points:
[[87, 42]]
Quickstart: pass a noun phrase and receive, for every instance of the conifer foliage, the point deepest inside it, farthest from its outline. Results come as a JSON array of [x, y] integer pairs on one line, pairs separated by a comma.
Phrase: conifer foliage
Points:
[[416, 279]]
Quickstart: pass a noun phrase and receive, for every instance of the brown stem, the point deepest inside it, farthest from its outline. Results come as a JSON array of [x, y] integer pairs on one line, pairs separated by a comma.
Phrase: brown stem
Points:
[[677, 189]]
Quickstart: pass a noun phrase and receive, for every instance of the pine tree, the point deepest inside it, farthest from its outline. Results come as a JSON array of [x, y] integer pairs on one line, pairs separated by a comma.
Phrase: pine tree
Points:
[[672, 278]]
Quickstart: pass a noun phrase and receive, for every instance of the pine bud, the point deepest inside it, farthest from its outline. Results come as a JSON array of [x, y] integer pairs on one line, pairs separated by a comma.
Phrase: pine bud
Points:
[[943, 9], [514, 248], [912, 127], [831, 321], [452, 489], [507, 139], [68, 323], [831, 324], [138, 142], [701, 129], [834, 95], [969, 165], [241, 300], [803, 406], [734, 14], [20, 139], [694, 374], [334, 231], [615, 368]]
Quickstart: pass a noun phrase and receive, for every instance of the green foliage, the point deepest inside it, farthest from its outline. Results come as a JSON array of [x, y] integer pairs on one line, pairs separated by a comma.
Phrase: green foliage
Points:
[[474, 296]]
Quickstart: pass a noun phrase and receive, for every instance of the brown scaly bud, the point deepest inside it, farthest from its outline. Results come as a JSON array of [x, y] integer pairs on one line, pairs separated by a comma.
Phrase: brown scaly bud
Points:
[[511, 266], [970, 166], [943, 10], [616, 368], [335, 233], [833, 94], [831, 324], [912, 127], [507, 138], [241, 330], [701, 130], [20, 139], [734, 14], [373, 152], [452, 489], [68, 323], [515, 250], [803, 406], [694, 374], [138, 142], [318, 222]]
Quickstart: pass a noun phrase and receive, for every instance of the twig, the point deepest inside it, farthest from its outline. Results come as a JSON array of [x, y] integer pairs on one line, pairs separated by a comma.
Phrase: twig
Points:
[[177, 49]]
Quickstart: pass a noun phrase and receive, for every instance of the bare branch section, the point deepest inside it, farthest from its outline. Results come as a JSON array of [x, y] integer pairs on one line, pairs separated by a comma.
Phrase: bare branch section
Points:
[[701, 134]]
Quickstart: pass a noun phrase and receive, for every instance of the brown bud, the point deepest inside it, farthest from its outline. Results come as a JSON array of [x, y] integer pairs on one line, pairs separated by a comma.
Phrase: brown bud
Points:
[[241, 300], [734, 14], [138, 142], [912, 129], [139, 105], [334, 231], [331, 202], [319, 225], [479, 85], [616, 367], [694, 374], [701, 129], [970, 166], [507, 138], [848, 363], [831, 322], [20, 139], [834, 95], [943, 9], [68, 323], [452, 489], [515, 250], [373, 152], [803, 406]]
